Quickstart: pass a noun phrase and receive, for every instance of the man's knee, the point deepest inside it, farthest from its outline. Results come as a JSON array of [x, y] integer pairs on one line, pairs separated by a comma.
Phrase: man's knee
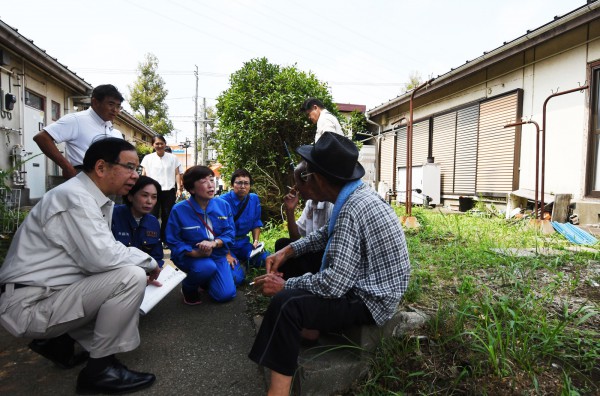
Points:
[[281, 243], [287, 299], [134, 277]]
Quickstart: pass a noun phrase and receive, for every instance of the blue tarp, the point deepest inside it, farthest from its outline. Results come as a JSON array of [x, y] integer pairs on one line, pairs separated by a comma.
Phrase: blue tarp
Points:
[[574, 234]]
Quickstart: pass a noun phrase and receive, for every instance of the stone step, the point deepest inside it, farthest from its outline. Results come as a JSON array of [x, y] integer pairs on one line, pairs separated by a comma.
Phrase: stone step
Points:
[[337, 361]]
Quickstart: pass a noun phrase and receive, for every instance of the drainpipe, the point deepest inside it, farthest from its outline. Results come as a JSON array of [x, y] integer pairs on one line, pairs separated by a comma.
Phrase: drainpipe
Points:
[[544, 137], [377, 141], [537, 159], [409, 132]]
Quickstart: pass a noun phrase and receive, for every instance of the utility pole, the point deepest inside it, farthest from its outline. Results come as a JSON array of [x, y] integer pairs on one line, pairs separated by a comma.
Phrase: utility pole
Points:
[[196, 120], [204, 135]]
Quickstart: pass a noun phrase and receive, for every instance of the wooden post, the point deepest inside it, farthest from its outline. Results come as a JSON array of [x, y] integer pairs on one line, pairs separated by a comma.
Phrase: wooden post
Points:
[[560, 209]]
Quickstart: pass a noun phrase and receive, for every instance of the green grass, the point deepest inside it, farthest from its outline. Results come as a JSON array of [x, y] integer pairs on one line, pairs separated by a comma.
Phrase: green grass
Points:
[[499, 324]]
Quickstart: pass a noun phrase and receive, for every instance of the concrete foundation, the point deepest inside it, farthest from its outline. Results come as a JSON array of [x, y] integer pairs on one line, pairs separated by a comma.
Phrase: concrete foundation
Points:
[[588, 212]]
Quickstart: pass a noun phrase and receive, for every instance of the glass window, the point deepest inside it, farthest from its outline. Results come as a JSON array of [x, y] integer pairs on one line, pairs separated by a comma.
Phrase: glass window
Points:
[[594, 169], [33, 100], [55, 111]]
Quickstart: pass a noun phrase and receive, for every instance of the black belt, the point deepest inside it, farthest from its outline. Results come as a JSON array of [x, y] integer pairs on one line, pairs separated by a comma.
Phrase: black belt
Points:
[[17, 286]]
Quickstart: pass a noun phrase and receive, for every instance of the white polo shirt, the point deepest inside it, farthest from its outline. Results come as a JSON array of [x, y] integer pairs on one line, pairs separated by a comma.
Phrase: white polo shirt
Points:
[[78, 131], [327, 122], [161, 169]]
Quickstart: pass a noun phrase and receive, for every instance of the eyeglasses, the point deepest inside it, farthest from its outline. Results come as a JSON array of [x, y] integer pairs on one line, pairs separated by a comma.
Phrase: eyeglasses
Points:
[[132, 168], [241, 183], [114, 106], [304, 175]]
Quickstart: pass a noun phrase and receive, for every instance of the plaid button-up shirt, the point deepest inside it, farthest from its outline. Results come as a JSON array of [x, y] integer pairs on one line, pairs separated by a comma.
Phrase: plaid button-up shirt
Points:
[[367, 256]]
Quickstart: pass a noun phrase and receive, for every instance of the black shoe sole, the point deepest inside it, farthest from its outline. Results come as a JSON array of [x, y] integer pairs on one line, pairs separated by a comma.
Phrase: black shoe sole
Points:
[[80, 391]]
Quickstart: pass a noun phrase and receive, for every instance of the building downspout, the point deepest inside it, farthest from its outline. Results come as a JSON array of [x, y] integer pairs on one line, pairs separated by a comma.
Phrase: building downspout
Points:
[[543, 152], [409, 136]]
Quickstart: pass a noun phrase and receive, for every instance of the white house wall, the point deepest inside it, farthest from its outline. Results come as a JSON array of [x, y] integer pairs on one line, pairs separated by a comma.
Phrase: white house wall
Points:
[[566, 126]]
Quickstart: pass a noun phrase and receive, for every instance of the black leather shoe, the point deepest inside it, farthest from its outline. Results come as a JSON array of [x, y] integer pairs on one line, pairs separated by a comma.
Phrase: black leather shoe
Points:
[[115, 379], [60, 351]]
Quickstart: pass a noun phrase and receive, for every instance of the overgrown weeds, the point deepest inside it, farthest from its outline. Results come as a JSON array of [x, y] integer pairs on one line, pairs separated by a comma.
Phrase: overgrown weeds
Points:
[[500, 323]]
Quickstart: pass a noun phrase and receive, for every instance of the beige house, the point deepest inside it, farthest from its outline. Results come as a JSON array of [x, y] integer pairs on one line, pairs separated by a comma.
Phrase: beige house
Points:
[[461, 118], [36, 90]]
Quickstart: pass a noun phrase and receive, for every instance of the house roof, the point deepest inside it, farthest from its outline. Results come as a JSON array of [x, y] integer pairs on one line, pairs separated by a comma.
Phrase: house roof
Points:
[[348, 107], [557, 26], [132, 120], [19, 44]]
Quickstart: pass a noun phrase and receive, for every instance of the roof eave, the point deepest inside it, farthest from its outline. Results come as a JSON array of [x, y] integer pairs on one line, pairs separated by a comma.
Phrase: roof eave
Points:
[[544, 33], [38, 57]]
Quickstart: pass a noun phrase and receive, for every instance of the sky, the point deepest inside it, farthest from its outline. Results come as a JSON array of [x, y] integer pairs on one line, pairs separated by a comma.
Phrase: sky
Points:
[[364, 50]]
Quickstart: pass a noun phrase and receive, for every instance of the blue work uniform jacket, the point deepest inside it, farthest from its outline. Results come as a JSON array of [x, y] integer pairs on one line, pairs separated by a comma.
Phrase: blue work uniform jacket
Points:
[[185, 229], [250, 217], [145, 236]]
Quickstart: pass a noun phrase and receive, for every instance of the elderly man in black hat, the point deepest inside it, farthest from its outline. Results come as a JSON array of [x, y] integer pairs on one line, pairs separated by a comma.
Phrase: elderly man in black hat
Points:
[[364, 272]]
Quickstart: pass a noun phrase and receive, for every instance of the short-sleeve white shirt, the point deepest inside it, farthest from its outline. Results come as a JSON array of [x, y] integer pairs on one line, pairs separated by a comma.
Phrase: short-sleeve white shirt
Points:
[[162, 169], [78, 131], [327, 122], [314, 216]]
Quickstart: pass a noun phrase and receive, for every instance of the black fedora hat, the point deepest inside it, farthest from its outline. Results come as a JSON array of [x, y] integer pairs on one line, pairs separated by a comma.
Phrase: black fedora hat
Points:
[[333, 155]]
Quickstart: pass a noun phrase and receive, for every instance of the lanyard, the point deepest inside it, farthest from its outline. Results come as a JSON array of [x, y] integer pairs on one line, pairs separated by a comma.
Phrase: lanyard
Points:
[[201, 219]]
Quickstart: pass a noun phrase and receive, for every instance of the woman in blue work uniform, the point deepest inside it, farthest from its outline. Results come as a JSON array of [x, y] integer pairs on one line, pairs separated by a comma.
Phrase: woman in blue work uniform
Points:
[[245, 207], [200, 232], [132, 223]]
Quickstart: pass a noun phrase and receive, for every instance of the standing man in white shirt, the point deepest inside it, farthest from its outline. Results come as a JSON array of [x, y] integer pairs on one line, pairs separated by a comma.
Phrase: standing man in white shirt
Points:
[[80, 129], [65, 277], [318, 114], [164, 168]]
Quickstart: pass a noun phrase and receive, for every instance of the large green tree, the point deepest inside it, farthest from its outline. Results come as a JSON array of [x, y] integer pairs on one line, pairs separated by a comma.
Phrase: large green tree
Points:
[[147, 97], [258, 114]]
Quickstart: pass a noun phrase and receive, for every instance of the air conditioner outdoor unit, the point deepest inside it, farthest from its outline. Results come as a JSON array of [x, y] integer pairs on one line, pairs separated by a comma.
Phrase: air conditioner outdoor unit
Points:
[[426, 179]]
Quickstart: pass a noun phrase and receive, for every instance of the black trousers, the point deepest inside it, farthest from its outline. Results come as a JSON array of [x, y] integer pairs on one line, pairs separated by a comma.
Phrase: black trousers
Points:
[[298, 266], [277, 343], [162, 209]]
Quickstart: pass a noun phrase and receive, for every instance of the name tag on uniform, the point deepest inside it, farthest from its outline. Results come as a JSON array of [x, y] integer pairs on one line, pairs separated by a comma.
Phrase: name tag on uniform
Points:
[[152, 234]]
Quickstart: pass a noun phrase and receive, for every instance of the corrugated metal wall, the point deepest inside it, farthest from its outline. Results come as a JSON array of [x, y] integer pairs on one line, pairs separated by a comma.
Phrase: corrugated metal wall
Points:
[[455, 149], [387, 171], [465, 167], [496, 146], [476, 153], [443, 147], [401, 148], [420, 143]]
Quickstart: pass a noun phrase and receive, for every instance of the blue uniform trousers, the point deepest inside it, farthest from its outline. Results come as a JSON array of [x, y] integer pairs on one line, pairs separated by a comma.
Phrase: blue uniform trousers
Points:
[[212, 274]]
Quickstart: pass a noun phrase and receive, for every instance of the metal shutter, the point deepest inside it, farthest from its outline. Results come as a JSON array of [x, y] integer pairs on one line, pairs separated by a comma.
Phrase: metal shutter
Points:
[[496, 146], [401, 149], [466, 150], [386, 161], [443, 145], [420, 148]]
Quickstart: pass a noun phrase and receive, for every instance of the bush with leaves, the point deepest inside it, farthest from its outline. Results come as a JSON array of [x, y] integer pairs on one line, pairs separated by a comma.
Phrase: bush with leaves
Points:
[[257, 114]]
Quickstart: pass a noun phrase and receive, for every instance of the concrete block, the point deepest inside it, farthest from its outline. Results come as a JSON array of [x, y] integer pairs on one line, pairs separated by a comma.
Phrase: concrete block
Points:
[[588, 212], [326, 370], [338, 360]]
